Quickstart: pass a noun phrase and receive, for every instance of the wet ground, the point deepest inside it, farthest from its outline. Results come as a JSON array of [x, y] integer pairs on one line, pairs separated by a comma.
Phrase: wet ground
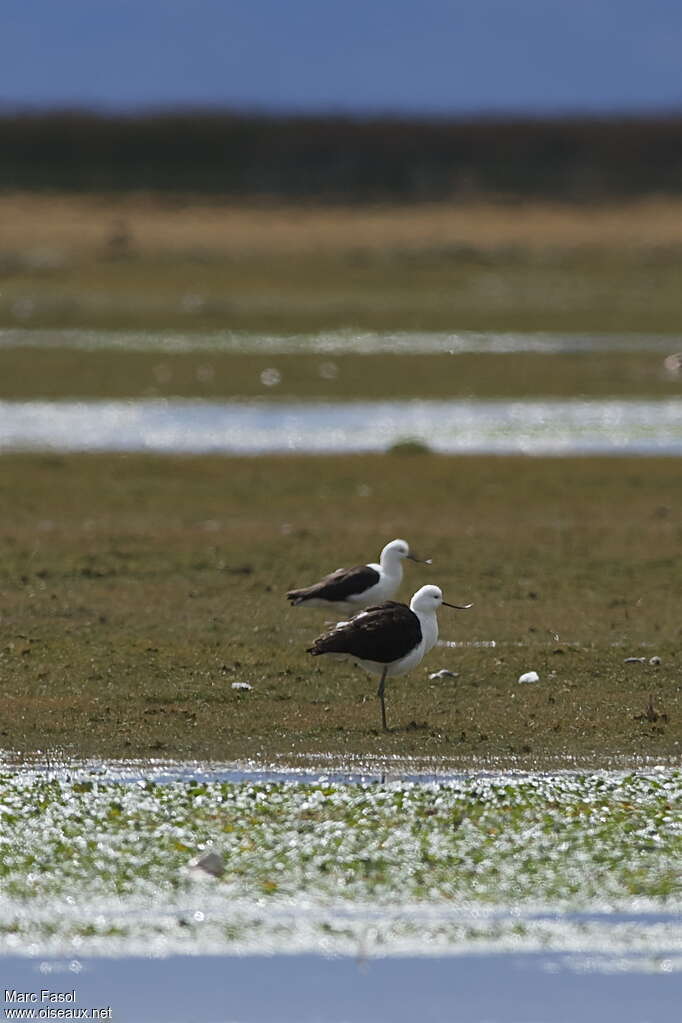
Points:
[[543, 897], [339, 392], [513, 862], [472, 863]]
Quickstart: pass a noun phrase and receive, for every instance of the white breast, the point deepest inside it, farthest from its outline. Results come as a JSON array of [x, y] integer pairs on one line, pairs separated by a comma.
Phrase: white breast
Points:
[[429, 624], [384, 589]]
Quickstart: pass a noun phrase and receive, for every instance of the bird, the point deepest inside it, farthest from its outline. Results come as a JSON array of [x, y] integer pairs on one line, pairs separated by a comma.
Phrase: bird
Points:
[[357, 587], [389, 638]]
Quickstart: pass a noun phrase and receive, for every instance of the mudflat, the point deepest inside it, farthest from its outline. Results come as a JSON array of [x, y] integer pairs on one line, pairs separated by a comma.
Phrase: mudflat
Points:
[[136, 590]]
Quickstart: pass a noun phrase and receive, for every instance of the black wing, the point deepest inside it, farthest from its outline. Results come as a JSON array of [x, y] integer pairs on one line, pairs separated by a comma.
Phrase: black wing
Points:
[[383, 633], [340, 585]]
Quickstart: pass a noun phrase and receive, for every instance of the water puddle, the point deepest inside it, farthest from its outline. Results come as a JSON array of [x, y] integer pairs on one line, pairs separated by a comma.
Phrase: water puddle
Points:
[[320, 768], [337, 342], [475, 643], [529, 427]]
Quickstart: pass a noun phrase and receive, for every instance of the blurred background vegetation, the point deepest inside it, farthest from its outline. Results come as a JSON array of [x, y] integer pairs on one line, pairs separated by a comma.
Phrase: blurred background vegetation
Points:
[[223, 221], [360, 159]]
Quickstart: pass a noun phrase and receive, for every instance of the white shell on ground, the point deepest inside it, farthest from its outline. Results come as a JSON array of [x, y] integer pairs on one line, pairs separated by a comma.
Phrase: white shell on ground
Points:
[[529, 676]]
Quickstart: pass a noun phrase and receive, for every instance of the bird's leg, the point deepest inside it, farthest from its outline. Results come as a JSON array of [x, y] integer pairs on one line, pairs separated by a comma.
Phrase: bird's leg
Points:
[[380, 694]]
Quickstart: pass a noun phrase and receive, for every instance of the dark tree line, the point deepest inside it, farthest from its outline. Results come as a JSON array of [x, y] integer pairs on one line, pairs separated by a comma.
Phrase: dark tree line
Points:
[[341, 158]]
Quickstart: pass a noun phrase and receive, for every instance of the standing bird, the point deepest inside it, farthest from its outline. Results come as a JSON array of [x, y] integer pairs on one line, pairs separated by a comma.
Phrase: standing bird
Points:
[[389, 639], [362, 585]]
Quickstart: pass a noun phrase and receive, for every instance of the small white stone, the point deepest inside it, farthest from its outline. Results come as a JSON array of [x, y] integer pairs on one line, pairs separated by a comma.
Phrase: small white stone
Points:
[[443, 673], [241, 685], [529, 676], [654, 661]]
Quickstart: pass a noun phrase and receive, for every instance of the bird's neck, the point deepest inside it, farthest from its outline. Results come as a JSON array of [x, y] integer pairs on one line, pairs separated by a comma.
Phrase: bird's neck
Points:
[[429, 626], [391, 566]]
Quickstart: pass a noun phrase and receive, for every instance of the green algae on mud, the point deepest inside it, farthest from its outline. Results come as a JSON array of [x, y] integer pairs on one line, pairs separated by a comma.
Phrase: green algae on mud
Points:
[[100, 867], [135, 590]]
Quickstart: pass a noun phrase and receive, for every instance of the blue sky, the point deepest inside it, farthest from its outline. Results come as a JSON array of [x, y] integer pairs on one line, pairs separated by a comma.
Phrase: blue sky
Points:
[[417, 56]]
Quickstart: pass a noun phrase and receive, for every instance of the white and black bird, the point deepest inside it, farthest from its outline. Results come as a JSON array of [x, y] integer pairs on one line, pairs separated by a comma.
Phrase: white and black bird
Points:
[[389, 639], [362, 585]]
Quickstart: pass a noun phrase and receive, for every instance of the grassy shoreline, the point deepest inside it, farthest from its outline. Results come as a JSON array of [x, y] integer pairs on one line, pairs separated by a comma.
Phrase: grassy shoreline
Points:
[[105, 261], [135, 590]]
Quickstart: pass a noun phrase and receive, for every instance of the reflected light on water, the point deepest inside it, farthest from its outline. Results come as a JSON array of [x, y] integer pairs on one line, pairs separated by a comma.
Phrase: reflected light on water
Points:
[[530, 427], [335, 342]]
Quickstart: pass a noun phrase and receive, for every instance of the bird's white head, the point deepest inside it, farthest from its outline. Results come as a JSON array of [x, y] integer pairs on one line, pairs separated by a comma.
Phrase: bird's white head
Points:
[[429, 599], [396, 550]]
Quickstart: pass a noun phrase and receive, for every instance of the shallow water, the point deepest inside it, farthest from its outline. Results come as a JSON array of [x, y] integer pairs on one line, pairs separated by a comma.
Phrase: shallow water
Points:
[[529, 427], [515, 863], [337, 342], [316, 768], [516, 988]]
